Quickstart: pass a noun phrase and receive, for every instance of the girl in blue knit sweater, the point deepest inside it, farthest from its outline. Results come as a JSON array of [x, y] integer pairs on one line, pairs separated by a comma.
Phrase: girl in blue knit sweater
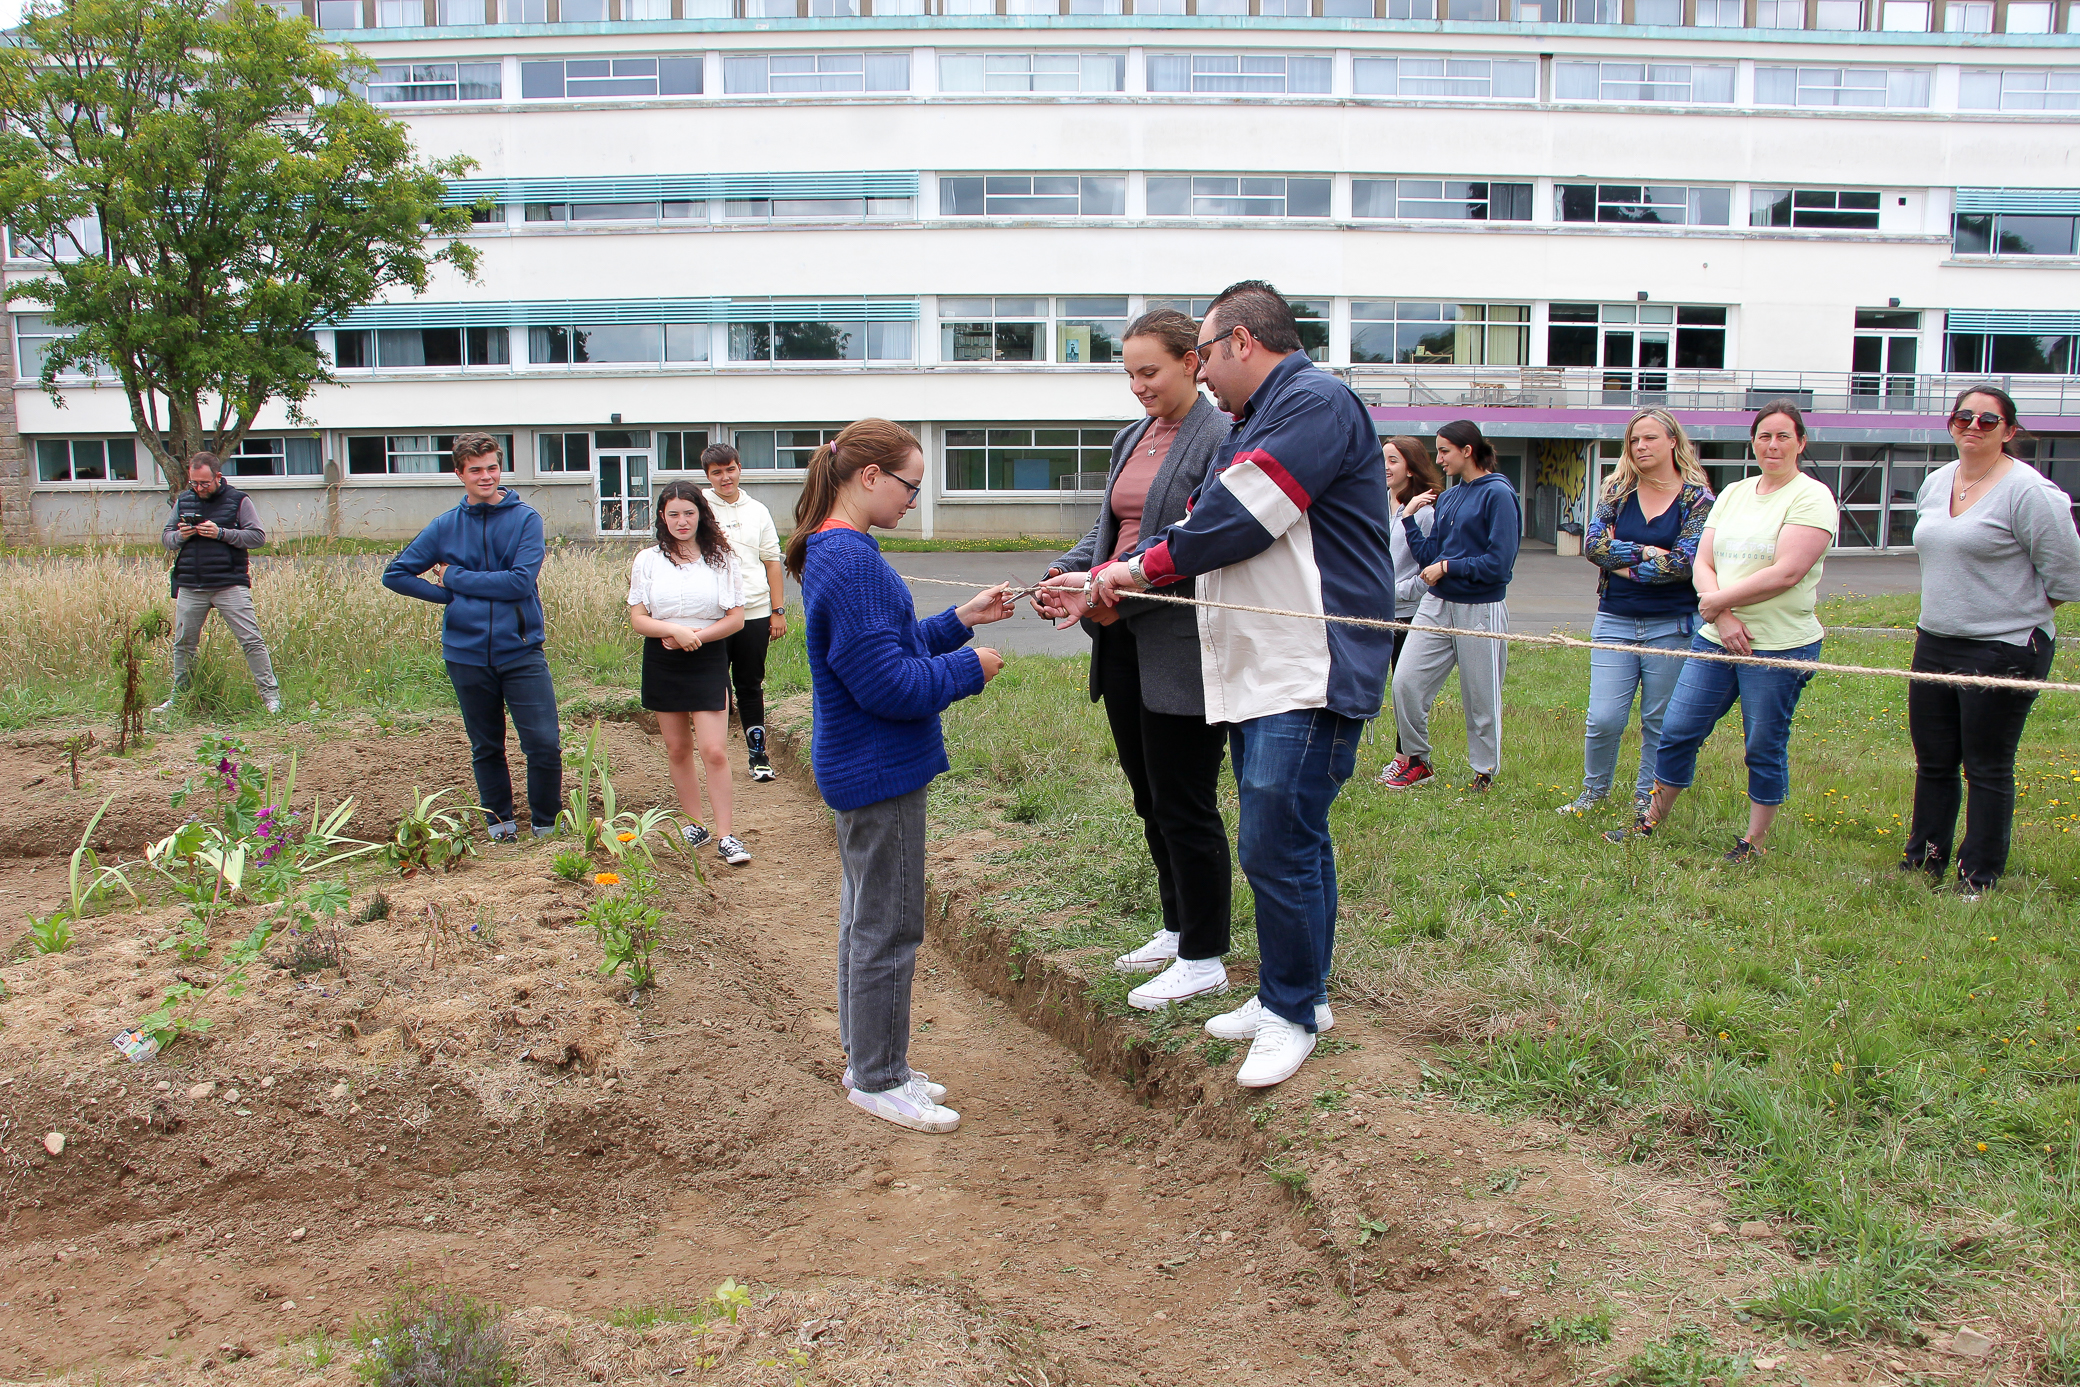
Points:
[[880, 678]]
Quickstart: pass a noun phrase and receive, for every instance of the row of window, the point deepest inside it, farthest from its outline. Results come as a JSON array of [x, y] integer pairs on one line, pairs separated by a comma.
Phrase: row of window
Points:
[[1896, 16], [1455, 77]]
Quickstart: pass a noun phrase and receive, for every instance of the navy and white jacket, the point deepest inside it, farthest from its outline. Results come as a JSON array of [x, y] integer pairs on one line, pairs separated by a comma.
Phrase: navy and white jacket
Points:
[[1293, 514]]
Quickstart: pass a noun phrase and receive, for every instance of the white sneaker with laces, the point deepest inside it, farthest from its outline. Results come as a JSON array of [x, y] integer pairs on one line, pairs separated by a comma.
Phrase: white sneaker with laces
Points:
[[1276, 1054], [167, 706], [933, 1091], [1153, 957], [694, 834], [1184, 979], [732, 849], [909, 1106], [1241, 1023]]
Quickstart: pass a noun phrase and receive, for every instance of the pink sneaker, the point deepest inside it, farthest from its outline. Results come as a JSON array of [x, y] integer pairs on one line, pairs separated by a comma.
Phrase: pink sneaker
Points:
[[1405, 772]]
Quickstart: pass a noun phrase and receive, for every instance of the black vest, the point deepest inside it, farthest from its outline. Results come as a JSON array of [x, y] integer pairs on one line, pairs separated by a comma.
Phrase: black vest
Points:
[[211, 563]]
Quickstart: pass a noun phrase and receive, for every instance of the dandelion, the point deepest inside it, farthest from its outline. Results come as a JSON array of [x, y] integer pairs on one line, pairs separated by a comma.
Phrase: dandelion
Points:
[[1837, 1066], [1982, 1146], [1724, 1036], [1512, 895], [606, 879], [630, 838]]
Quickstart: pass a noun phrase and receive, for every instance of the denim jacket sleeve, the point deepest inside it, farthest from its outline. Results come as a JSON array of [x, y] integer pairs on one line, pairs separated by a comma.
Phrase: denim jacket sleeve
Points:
[[1677, 566]]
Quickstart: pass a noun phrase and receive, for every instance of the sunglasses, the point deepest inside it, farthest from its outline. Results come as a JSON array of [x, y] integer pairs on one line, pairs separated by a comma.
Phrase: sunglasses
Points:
[[1984, 419], [1203, 347]]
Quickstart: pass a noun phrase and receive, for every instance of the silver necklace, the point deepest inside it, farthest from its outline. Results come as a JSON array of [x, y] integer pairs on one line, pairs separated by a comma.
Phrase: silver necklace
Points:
[[1964, 492]]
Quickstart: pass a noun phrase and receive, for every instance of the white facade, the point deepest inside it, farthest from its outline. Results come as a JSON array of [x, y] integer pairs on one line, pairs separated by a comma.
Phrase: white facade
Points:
[[1537, 225]]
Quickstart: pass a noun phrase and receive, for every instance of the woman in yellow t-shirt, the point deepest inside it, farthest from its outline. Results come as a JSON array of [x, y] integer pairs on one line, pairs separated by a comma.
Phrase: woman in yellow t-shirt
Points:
[[1757, 574]]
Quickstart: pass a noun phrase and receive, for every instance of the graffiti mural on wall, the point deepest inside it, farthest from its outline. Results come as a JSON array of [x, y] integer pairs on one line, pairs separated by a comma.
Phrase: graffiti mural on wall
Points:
[[1563, 464]]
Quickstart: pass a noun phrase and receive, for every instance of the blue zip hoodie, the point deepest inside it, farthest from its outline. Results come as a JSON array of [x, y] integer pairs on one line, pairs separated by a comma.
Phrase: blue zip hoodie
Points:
[[494, 558], [1477, 530]]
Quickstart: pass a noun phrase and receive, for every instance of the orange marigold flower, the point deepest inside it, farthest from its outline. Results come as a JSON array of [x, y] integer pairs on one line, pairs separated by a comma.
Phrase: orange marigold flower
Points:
[[606, 879]]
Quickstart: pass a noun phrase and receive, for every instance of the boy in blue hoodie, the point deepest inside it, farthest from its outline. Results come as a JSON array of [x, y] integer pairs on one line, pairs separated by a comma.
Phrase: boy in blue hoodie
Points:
[[487, 554]]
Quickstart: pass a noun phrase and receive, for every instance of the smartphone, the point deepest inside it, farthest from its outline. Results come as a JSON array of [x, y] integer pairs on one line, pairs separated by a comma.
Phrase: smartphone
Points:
[[190, 517]]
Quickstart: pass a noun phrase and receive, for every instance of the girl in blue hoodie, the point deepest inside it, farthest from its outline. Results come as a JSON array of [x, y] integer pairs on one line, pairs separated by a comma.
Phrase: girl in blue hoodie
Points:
[[880, 678], [1468, 558]]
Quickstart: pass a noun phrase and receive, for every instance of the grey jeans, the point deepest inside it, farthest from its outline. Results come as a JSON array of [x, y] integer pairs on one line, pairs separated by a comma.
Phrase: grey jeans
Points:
[[1428, 658], [880, 925], [235, 605]]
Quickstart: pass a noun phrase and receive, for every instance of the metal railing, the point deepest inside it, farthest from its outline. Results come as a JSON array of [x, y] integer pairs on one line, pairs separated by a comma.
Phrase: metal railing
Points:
[[1587, 387]]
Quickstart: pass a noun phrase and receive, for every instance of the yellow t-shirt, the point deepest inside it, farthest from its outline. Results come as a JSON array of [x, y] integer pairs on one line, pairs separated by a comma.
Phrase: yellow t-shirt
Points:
[[1744, 527]]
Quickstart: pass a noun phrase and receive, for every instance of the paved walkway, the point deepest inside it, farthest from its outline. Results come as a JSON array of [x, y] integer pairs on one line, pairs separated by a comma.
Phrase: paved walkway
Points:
[[1549, 593]]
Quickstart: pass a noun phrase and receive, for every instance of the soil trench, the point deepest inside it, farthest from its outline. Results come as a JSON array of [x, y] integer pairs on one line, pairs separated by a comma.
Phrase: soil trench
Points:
[[477, 1106]]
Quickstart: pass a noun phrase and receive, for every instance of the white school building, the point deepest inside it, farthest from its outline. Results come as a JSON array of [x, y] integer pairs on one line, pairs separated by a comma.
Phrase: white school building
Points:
[[752, 221]]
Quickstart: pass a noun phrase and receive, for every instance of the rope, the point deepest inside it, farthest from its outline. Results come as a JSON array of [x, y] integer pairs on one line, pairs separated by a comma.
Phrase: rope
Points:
[[1724, 657]]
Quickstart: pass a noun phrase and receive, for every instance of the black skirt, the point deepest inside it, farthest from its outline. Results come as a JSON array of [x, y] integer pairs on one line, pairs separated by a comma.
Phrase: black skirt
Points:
[[685, 681]]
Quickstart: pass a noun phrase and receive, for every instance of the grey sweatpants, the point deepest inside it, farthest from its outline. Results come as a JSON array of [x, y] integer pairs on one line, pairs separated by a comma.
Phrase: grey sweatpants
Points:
[[1428, 658], [235, 605], [880, 925]]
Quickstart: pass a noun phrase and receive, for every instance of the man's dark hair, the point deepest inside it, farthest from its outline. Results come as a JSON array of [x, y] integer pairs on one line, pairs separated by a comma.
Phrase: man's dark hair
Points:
[[207, 462], [716, 454], [1255, 305], [475, 445]]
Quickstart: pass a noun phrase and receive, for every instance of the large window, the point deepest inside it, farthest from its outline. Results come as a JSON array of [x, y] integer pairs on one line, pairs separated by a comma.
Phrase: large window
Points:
[[782, 450], [86, 459], [1895, 88], [361, 349], [679, 450], [1619, 336], [563, 452], [1469, 79], [2010, 353], [1027, 459], [1032, 195], [820, 341], [34, 334], [577, 79], [614, 211], [629, 343], [1813, 209], [397, 83], [412, 455], [2013, 233], [1032, 72], [275, 457], [1652, 82], [81, 236], [1637, 204], [995, 329], [786, 74], [1440, 334], [1435, 199], [2032, 90], [1267, 73], [813, 209], [1311, 316], [1089, 331], [1240, 196]]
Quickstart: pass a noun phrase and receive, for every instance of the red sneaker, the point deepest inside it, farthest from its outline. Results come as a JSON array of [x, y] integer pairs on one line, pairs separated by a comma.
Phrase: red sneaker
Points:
[[1405, 772]]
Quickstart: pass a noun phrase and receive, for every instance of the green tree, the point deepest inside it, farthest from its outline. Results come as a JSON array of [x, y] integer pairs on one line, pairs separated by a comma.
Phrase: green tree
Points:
[[205, 188]]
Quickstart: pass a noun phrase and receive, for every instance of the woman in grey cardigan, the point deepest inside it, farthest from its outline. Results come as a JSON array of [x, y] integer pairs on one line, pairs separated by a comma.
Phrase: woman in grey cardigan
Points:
[[1145, 664], [1998, 554]]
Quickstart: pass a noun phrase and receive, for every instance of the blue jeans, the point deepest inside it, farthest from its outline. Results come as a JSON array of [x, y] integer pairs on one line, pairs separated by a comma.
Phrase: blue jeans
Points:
[[485, 692], [1289, 768], [1614, 677], [1706, 692]]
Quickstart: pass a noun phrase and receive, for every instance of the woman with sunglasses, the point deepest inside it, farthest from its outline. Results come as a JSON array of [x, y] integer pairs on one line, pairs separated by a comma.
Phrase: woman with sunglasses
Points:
[[1998, 553], [1757, 575]]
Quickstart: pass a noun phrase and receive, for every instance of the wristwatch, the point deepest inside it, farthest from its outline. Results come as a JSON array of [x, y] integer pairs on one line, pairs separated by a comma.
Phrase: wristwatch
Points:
[[1134, 568], [779, 611]]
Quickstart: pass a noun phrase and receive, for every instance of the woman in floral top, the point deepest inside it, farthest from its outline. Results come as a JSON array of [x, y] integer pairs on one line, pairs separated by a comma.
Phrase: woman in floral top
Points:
[[1644, 539]]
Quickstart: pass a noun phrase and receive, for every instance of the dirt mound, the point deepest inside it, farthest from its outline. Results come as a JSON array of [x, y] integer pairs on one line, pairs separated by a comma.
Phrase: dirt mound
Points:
[[493, 1114]]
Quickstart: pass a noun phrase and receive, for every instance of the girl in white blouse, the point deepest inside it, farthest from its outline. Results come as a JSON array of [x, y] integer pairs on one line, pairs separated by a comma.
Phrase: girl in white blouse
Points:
[[685, 598]]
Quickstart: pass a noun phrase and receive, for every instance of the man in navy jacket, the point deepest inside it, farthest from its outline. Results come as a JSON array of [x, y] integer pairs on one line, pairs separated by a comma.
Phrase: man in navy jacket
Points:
[[487, 555], [1294, 517]]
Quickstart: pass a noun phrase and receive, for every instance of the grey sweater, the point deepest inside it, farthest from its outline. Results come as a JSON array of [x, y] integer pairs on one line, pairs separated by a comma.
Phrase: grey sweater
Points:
[[1995, 572]]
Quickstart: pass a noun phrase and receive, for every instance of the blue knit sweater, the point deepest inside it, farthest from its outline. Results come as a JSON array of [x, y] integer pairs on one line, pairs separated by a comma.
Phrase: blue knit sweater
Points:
[[879, 675]]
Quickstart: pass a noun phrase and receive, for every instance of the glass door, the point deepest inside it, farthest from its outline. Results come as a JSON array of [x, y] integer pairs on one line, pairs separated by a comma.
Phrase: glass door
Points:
[[1885, 356], [622, 470]]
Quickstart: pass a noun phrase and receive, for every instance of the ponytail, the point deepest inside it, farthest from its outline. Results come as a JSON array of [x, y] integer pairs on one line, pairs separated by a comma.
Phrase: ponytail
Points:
[[1464, 433], [867, 443]]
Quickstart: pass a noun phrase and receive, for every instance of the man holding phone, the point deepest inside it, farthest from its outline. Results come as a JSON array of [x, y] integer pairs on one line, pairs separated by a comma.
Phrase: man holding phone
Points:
[[212, 527]]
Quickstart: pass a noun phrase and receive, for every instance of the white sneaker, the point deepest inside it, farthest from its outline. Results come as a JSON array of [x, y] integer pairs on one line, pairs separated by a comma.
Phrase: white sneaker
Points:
[[732, 849], [1241, 1023], [1153, 957], [1184, 979], [910, 1106], [932, 1091], [167, 706], [1276, 1054], [274, 705]]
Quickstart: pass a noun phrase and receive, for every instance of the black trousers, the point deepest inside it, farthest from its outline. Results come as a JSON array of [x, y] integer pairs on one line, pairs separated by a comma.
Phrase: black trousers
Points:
[[747, 669], [1977, 730], [1173, 764]]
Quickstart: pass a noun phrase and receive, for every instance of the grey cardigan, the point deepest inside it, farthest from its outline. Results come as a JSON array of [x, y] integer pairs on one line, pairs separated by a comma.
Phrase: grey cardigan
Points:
[[1167, 636]]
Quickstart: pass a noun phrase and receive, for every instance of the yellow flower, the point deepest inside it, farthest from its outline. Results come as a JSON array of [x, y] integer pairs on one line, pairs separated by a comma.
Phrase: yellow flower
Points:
[[626, 837], [606, 879], [1982, 1146], [1837, 1066], [1724, 1036]]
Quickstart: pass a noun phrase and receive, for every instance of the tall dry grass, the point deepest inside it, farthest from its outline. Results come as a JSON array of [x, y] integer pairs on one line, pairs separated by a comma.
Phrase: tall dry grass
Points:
[[336, 634]]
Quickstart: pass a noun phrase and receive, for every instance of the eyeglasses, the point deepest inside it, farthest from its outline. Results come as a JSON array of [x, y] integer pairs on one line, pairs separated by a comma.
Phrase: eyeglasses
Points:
[[1984, 419], [916, 488], [1203, 347]]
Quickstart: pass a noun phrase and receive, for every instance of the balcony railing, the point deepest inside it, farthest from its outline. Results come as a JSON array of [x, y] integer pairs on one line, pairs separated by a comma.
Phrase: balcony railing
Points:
[[1585, 387]]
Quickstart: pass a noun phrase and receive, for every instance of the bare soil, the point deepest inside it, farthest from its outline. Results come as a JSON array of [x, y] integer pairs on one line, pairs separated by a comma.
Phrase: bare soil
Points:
[[479, 1107]]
